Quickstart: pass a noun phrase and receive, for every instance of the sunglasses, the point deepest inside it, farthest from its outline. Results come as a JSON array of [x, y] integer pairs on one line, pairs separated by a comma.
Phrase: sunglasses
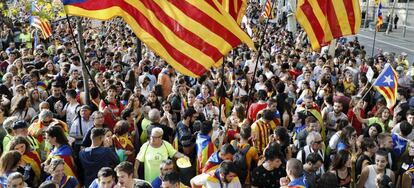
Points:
[[318, 142]]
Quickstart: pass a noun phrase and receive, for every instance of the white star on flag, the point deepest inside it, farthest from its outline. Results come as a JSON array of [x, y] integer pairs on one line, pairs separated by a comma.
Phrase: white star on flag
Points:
[[388, 80]]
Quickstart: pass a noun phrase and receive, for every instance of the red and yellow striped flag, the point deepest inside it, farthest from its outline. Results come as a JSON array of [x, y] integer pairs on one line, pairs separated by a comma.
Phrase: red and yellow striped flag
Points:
[[191, 35], [325, 20], [268, 9], [236, 8], [41, 24]]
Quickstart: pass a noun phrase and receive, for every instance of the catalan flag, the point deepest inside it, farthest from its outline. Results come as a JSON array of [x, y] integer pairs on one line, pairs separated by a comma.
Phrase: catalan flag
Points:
[[65, 152], [324, 21], [268, 9], [236, 8], [379, 18], [205, 148], [190, 35], [41, 24], [387, 84], [33, 158], [399, 144]]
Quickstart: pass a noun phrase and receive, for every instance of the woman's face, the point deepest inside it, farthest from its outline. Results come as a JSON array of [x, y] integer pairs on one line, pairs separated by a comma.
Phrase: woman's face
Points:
[[385, 115], [243, 82], [411, 149], [204, 89], [152, 97], [372, 132], [348, 163], [35, 94], [21, 148], [380, 162], [166, 107], [50, 67], [191, 98]]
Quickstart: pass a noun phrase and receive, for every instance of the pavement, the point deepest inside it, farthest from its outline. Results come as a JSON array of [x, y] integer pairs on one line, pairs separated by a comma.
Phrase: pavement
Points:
[[393, 42]]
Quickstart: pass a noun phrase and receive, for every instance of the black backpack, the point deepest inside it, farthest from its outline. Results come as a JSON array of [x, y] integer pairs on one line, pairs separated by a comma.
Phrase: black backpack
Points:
[[239, 159]]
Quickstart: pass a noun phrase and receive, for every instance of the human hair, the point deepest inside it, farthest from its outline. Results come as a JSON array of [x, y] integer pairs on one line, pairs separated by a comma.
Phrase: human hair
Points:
[[55, 162], [376, 125], [313, 158], [21, 104], [261, 94], [157, 130], [378, 114], [382, 153], [295, 167], [328, 180], [240, 112], [273, 152], [166, 162], [9, 122], [126, 113], [226, 167], [188, 113], [96, 113], [71, 93], [171, 177], [227, 149], [126, 167], [106, 172], [48, 184], [14, 176], [340, 159], [96, 132], [310, 119], [154, 115], [19, 140], [347, 133], [311, 137], [267, 114], [44, 114], [384, 181], [245, 132], [57, 132], [405, 128], [410, 112], [367, 143], [282, 134], [121, 127], [403, 92], [206, 127], [382, 136], [9, 161]]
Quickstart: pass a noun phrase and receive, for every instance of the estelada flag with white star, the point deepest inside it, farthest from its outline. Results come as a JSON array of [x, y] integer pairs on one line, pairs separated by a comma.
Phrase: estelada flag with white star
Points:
[[399, 144], [387, 84]]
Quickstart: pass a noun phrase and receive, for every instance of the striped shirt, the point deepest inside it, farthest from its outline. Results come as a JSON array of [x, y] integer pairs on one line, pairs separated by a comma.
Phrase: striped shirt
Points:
[[261, 132]]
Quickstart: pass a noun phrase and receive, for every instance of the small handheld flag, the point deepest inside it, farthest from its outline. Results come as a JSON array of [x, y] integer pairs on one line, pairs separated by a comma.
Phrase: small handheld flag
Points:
[[387, 84]]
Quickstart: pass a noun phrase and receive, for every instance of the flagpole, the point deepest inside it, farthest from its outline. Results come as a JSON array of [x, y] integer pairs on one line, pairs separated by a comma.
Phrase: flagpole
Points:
[[375, 35], [83, 64], [259, 53]]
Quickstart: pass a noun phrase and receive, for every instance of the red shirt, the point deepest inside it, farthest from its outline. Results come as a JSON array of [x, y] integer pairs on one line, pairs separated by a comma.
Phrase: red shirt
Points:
[[254, 109], [109, 117], [356, 124]]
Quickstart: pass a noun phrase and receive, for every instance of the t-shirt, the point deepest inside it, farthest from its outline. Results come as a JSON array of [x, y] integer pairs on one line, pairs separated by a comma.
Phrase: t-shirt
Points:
[[71, 112], [152, 158], [210, 180], [264, 178]]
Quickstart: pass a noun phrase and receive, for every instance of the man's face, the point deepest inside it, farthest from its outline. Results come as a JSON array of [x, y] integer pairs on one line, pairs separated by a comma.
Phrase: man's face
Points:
[[85, 113], [227, 156], [314, 127], [317, 143], [167, 168], [315, 167], [16, 183], [276, 163], [388, 143], [337, 107], [56, 91], [106, 182], [21, 132], [123, 178]]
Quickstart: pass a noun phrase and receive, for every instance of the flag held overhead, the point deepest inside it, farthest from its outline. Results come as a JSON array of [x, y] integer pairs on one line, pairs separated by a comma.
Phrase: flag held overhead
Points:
[[191, 35]]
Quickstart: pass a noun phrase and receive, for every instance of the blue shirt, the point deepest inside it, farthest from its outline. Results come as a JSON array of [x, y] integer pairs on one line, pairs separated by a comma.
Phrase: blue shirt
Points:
[[156, 183], [299, 183]]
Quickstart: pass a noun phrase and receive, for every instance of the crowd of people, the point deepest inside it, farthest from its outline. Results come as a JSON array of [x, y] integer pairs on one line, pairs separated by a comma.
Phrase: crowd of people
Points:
[[297, 118]]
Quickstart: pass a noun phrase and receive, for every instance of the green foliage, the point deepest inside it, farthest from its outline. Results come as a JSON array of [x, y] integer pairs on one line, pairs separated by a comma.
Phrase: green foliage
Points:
[[48, 9]]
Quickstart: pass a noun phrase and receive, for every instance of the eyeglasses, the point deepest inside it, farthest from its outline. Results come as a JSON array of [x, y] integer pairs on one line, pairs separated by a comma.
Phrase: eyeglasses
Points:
[[154, 137], [318, 142]]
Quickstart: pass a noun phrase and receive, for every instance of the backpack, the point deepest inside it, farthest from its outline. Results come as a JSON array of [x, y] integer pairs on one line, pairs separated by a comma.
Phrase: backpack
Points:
[[240, 161]]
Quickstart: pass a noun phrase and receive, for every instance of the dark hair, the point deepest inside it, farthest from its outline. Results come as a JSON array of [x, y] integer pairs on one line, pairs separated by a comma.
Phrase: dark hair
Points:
[[368, 143], [121, 127], [227, 166], [261, 95], [410, 112], [376, 125], [245, 132], [267, 114], [171, 177], [328, 180], [403, 92], [96, 132], [71, 93], [385, 182], [206, 127], [283, 135], [57, 132], [313, 158], [126, 167], [21, 104], [382, 153], [280, 87], [19, 140], [48, 184], [188, 113], [126, 113], [273, 152], [406, 128], [340, 159], [9, 161], [106, 172], [227, 149]]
